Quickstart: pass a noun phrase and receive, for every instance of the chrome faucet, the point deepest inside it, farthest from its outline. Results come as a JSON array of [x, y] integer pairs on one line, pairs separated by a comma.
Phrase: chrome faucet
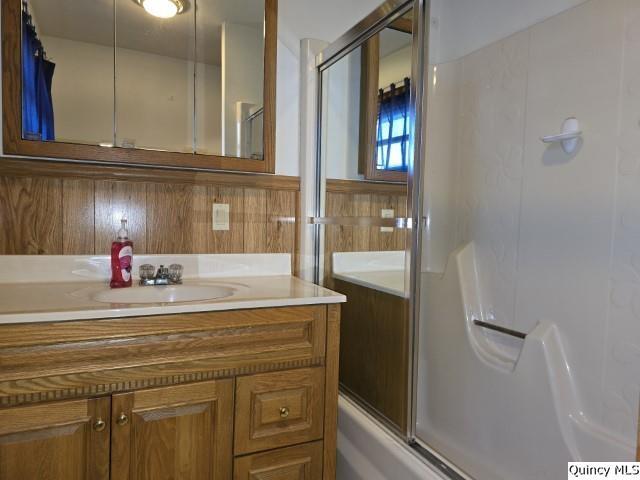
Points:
[[164, 276]]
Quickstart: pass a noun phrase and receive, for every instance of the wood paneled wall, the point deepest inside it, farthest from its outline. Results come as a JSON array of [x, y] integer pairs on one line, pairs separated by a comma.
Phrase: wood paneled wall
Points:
[[77, 211], [362, 199]]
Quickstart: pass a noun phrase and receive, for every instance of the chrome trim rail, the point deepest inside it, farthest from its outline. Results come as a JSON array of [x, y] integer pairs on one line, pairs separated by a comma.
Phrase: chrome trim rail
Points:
[[361, 31]]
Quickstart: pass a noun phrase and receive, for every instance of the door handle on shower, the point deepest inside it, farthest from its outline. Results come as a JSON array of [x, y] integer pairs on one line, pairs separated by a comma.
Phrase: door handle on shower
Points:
[[400, 222]]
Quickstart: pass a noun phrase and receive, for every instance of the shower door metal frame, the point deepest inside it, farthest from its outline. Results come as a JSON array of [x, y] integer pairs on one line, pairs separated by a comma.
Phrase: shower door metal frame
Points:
[[387, 12]]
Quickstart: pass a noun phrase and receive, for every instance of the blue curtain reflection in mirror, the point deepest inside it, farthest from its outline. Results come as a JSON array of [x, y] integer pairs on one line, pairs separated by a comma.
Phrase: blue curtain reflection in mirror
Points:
[[393, 128], [37, 80]]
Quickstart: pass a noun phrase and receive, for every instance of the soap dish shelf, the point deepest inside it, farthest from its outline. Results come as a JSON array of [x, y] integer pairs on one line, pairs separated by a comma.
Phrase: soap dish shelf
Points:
[[569, 138]]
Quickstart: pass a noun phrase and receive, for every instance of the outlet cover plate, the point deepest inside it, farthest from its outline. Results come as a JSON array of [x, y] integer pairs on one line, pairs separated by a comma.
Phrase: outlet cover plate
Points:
[[220, 217]]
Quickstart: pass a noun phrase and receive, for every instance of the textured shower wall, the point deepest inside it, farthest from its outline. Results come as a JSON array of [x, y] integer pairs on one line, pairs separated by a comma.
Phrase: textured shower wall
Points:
[[558, 236], [622, 342]]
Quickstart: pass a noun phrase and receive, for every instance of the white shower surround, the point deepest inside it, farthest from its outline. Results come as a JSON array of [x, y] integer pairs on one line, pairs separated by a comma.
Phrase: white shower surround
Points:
[[557, 237], [517, 415]]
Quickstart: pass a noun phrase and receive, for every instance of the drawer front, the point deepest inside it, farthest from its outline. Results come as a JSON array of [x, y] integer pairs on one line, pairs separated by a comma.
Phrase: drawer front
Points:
[[302, 462], [72, 359], [279, 409]]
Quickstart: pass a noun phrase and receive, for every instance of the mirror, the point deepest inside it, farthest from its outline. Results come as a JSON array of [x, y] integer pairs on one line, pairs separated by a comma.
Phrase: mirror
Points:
[[155, 66], [384, 103], [231, 34], [178, 76], [369, 90], [68, 71]]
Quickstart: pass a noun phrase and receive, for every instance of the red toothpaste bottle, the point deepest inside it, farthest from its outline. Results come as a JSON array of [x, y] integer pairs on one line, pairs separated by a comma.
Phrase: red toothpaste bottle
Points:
[[121, 258]]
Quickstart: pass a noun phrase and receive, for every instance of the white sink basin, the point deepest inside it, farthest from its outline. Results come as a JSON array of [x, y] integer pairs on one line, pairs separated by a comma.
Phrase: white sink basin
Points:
[[163, 294]]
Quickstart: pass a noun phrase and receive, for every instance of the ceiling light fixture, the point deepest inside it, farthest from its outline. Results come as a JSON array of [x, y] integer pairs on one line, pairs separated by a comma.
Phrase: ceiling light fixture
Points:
[[163, 8]]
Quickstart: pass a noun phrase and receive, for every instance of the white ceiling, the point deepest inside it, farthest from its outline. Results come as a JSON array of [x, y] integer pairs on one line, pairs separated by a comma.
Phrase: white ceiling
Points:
[[393, 40], [319, 19], [92, 21]]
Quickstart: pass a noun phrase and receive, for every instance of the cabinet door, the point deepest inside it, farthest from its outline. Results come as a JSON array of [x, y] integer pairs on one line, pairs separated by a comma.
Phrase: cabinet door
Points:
[[66, 440], [178, 433], [303, 462]]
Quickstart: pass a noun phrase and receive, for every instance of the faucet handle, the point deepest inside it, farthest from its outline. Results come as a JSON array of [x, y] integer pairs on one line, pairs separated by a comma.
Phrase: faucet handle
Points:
[[163, 272], [175, 272], [146, 271]]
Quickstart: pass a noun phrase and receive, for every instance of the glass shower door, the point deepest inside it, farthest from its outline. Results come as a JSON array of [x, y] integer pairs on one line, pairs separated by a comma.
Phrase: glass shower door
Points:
[[528, 337], [366, 121]]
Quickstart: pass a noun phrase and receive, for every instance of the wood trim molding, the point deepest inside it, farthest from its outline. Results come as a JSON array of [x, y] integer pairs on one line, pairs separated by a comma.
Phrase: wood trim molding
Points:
[[16, 166], [331, 391], [370, 65], [335, 185], [402, 24], [110, 386], [14, 144], [269, 92], [11, 73]]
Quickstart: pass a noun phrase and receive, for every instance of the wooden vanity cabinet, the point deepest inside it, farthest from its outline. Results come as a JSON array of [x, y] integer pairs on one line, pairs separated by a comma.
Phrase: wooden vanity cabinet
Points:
[[302, 462], [247, 394], [173, 432], [279, 409], [67, 440]]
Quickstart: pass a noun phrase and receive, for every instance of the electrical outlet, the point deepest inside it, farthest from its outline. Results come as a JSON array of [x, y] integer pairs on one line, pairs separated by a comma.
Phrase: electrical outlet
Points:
[[220, 217], [387, 213]]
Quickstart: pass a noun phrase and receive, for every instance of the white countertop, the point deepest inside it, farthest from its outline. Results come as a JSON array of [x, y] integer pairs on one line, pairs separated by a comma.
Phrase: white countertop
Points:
[[382, 271], [51, 301]]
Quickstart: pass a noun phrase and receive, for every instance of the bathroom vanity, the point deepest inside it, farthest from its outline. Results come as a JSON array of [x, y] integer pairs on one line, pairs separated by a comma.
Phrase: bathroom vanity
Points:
[[217, 391]]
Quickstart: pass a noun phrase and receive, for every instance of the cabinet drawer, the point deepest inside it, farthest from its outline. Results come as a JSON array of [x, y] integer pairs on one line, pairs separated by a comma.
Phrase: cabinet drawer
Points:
[[279, 409], [302, 462]]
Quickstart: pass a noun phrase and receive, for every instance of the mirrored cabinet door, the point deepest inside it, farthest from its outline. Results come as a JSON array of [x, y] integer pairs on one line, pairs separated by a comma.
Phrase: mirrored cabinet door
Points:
[[68, 71], [229, 77], [154, 67], [165, 77]]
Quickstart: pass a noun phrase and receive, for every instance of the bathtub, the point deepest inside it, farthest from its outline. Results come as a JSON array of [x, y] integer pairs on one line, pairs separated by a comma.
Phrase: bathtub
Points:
[[366, 451], [382, 271]]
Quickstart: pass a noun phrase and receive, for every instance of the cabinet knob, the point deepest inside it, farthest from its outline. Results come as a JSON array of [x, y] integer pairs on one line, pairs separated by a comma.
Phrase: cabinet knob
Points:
[[284, 412], [122, 419], [99, 425]]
